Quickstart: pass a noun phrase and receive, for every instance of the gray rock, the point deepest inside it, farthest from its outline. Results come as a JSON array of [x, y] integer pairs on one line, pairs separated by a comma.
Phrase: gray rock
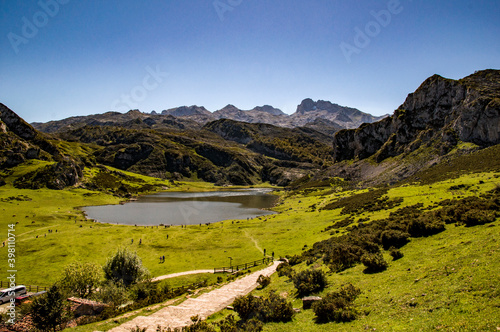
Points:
[[308, 301]]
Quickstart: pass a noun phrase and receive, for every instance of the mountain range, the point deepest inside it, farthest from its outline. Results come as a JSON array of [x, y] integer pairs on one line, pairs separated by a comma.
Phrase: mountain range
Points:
[[322, 115], [442, 120]]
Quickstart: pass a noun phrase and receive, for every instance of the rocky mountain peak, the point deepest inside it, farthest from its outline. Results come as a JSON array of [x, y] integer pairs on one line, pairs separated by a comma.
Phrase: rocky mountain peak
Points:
[[269, 109], [306, 105], [441, 112], [187, 111], [229, 108], [16, 124]]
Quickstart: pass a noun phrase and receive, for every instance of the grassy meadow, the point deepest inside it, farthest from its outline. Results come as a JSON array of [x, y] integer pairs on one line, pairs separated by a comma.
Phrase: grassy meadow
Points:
[[448, 281]]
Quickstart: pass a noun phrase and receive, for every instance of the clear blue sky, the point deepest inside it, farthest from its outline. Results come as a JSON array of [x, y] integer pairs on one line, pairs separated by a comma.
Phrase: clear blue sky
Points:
[[91, 56]]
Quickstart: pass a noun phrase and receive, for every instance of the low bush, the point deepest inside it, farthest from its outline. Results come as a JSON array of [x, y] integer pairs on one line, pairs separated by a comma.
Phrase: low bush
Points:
[[294, 260], [425, 225], [263, 281], [272, 309], [337, 306], [394, 238], [309, 281], [395, 254], [143, 290], [478, 217], [284, 269], [341, 255], [278, 309], [248, 307], [112, 293], [374, 262]]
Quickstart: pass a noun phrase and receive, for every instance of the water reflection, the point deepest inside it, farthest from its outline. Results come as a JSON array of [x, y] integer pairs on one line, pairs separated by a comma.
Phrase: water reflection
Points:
[[184, 208]]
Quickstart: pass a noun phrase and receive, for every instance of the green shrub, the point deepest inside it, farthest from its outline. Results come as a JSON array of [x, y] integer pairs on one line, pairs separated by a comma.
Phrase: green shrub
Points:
[[425, 225], [126, 267], [50, 310], [309, 281], [252, 325], [143, 290], [228, 324], [284, 269], [337, 306], [272, 309], [373, 262], [112, 293], [396, 254], [278, 309], [138, 329], [199, 326], [81, 279], [294, 260], [342, 255], [263, 281], [394, 238], [478, 217], [248, 306]]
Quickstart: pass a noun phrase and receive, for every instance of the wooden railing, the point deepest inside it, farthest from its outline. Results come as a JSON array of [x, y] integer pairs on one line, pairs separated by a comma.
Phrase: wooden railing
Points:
[[236, 268], [29, 288]]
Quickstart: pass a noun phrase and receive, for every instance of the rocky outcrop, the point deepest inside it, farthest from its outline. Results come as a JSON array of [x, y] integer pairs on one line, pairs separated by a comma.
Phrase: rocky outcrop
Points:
[[230, 130], [126, 157], [56, 176], [16, 124], [344, 117], [20, 141], [268, 109], [441, 111]]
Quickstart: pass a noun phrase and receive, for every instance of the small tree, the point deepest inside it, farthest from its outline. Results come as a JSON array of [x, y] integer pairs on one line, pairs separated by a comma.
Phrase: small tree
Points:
[[81, 279], [49, 311], [125, 267]]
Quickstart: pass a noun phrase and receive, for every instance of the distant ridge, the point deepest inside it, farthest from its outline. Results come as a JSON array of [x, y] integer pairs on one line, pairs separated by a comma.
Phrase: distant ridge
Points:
[[323, 116]]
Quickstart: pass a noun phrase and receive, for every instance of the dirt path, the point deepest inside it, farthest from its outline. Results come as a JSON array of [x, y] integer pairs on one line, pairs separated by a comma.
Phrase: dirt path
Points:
[[173, 275], [203, 306], [254, 242]]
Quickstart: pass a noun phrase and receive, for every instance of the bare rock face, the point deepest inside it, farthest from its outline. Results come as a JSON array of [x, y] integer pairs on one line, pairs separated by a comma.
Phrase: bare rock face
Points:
[[20, 141], [441, 110], [56, 176], [15, 124]]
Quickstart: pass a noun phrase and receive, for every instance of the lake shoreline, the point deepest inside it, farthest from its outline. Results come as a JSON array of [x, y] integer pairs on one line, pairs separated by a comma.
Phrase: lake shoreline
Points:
[[182, 208]]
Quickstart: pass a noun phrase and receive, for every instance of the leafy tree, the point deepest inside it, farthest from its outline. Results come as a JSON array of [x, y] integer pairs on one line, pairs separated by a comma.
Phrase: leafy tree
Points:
[[49, 311], [125, 267], [81, 279]]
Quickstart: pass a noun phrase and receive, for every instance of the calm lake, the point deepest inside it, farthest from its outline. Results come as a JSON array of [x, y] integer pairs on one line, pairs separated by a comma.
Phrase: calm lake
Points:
[[186, 208]]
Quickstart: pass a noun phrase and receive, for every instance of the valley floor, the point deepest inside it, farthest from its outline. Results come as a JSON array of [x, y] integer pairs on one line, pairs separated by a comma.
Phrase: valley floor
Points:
[[448, 281]]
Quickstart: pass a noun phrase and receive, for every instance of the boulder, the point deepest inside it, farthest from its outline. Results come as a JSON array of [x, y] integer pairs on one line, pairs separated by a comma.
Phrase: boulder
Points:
[[308, 301]]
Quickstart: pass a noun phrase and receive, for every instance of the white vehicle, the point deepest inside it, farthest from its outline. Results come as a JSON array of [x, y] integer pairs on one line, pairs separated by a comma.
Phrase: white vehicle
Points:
[[11, 293]]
